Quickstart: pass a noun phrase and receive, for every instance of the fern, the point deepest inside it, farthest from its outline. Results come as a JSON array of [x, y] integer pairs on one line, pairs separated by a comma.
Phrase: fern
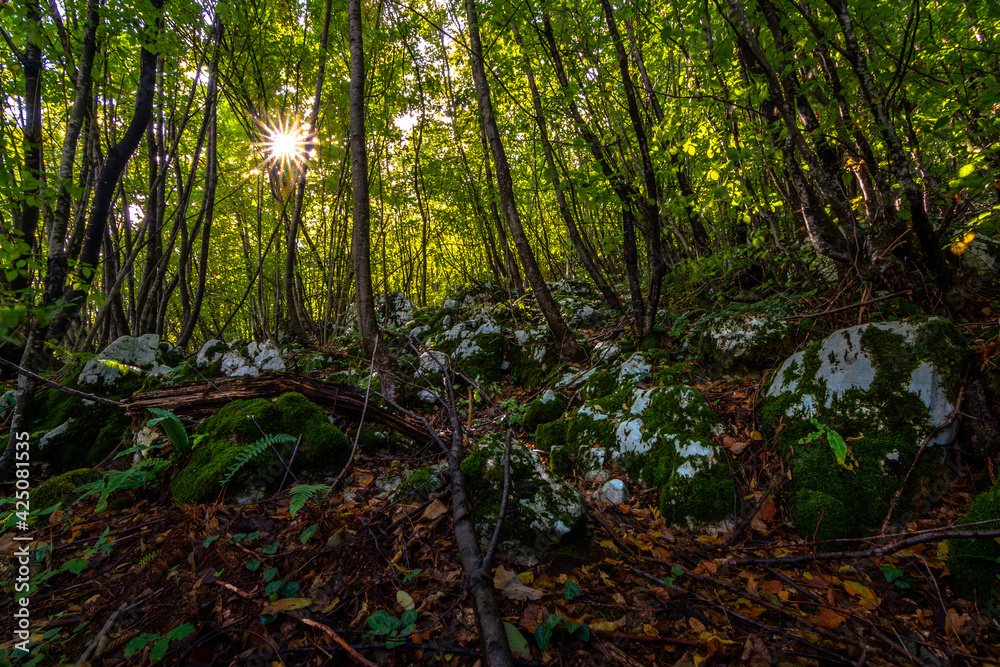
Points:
[[301, 494], [251, 452]]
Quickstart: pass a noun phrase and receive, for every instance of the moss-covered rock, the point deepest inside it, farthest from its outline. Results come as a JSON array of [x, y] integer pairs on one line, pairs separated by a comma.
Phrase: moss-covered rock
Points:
[[552, 434], [420, 484], [62, 489], [882, 388], [545, 510], [546, 408], [532, 356], [598, 385], [974, 563], [240, 424], [559, 461], [737, 345], [72, 432], [665, 437]]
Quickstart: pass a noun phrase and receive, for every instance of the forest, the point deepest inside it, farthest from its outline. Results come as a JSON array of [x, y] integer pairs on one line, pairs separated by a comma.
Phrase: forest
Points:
[[398, 332]]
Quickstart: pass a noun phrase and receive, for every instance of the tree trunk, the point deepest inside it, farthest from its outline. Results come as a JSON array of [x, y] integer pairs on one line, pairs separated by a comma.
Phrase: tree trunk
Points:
[[550, 309], [368, 327], [574, 233]]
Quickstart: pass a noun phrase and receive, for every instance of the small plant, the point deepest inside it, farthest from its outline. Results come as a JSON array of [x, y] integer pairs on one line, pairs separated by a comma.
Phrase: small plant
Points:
[[300, 494], [515, 411], [173, 427], [143, 474], [543, 632], [160, 647], [396, 630], [895, 576], [837, 443], [252, 451]]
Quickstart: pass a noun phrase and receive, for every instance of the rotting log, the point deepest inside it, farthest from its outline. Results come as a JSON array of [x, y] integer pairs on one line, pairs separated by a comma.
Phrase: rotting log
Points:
[[201, 398]]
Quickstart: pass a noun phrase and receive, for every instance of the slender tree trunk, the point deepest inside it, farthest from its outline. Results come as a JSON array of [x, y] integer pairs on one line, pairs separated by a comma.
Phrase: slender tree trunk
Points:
[[369, 330], [574, 233], [618, 182], [550, 309]]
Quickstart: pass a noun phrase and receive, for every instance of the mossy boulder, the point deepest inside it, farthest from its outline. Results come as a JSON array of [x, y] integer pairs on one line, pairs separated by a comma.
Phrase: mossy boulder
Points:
[[62, 489], [323, 447], [735, 346], [546, 408], [545, 511], [663, 436], [129, 355], [71, 432], [551, 434], [974, 563], [882, 388], [533, 356], [420, 484]]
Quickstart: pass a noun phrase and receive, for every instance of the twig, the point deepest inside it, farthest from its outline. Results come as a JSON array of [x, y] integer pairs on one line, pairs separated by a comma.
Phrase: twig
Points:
[[335, 637], [492, 549], [853, 305], [870, 553], [57, 386], [361, 422], [125, 606], [943, 425]]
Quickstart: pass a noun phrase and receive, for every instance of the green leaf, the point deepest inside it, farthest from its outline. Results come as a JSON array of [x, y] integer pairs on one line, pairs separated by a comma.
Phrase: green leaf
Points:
[[271, 547], [571, 589], [139, 643], [518, 644], [172, 426], [253, 565], [543, 635], [208, 542], [307, 533], [383, 623], [270, 573], [412, 575], [838, 446], [77, 565], [552, 622], [578, 630]]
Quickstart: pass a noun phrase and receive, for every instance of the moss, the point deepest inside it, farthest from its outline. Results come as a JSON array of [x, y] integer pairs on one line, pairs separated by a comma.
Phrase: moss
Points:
[[559, 462], [484, 364], [973, 563], [418, 486], [552, 434], [323, 446], [681, 373], [63, 489], [823, 515], [95, 431], [707, 497], [587, 430], [679, 408], [547, 408], [599, 385]]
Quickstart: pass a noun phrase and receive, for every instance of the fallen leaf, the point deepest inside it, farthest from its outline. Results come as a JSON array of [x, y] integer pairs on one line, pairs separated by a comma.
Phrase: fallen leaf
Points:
[[405, 600], [434, 510], [868, 599], [954, 622], [509, 586], [828, 618], [287, 604], [697, 625]]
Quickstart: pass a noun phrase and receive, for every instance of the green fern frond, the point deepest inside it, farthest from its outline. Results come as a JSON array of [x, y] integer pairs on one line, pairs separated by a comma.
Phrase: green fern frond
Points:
[[300, 494], [252, 451]]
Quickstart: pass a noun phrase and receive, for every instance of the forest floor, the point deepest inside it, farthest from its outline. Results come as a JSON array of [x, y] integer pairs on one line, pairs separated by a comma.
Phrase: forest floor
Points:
[[227, 584]]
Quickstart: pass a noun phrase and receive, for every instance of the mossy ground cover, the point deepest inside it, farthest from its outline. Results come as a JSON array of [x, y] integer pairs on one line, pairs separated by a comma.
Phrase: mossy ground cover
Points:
[[323, 446]]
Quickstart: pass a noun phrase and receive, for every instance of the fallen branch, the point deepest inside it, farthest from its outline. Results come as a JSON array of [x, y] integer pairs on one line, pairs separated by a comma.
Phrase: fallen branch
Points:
[[852, 306], [208, 397], [870, 553], [335, 637], [59, 387], [943, 425]]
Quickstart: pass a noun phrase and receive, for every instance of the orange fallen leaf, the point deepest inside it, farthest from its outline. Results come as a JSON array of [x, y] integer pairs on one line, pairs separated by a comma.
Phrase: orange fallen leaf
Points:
[[828, 618]]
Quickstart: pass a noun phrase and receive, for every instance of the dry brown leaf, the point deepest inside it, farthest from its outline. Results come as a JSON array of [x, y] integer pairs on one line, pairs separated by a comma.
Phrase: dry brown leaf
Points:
[[697, 625], [434, 510], [828, 618], [510, 586]]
